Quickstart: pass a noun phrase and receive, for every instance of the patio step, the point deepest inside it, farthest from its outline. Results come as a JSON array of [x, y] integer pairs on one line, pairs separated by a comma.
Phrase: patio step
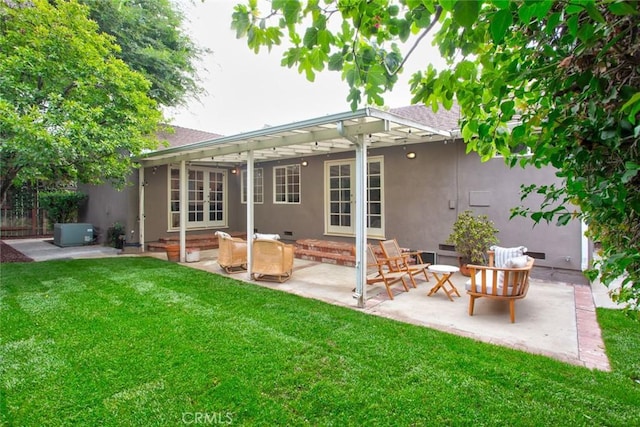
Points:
[[326, 251], [200, 241]]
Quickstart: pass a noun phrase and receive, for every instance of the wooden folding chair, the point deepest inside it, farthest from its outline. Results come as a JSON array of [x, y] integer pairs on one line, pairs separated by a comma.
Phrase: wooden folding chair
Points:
[[399, 261], [377, 272]]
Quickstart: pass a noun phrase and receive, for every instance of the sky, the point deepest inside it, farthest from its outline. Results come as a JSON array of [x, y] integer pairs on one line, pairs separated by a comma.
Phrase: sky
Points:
[[248, 91]]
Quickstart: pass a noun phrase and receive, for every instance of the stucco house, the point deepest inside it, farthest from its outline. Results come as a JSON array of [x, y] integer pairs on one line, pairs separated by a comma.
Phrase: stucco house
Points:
[[309, 182]]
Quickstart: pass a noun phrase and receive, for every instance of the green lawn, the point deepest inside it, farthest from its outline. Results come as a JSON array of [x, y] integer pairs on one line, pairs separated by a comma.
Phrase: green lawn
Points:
[[140, 341]]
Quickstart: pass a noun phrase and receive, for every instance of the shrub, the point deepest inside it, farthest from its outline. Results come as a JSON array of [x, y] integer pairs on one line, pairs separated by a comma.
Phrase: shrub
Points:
[[62, 206]]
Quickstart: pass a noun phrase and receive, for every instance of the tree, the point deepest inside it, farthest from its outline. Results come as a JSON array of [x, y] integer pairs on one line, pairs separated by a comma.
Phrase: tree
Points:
[[152, 41], [565, 73], [70, 111]]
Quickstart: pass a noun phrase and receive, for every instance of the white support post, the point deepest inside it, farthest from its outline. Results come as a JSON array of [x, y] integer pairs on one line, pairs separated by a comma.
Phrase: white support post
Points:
[[585, 255], [361, 221], [141, 185], [183, 210], [250, 219]]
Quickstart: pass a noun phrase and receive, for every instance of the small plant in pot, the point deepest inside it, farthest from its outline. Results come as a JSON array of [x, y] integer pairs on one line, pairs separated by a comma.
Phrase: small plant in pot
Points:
[[472, 236], [116, 235]]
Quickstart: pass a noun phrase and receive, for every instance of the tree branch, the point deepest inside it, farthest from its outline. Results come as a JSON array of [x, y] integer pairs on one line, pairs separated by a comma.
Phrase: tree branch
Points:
[[417, 42]]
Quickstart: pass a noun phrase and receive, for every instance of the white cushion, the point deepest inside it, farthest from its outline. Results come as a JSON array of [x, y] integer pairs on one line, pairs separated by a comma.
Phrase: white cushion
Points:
[[266, 236], [517, 262], [489, 288], [501, 255], [468, 284], [223, 235]]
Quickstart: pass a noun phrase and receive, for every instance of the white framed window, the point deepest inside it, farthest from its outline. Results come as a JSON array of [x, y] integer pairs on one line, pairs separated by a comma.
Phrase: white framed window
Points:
[[206, 198], [340, 199], [286, 184], [258, 186]]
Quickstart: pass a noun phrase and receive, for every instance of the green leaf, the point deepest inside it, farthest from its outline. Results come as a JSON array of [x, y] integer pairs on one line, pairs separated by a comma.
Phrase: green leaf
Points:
[[376, 76], [310, 38], [351, 76], [633, 109], [448, 5], [622, 8], [500, 23], [317, 58], [572, 24], [594, 13], [586, 31], [564, 219], [541, 8], [466, 12], [290, 10], [507, 108], [631, 170], [552, 23], [240, 21], [335, 62], [501, 4], [404, 30]]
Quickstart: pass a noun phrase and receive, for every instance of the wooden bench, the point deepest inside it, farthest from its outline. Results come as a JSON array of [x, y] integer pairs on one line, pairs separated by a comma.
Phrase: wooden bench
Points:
[[489, 282]]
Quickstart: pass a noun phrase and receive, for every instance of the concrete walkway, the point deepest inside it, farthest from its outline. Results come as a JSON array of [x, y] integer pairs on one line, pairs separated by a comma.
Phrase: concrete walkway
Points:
[[556, 319]]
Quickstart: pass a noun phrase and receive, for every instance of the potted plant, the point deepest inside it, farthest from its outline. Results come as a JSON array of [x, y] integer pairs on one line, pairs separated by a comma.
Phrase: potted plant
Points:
[[116, 235], [472, 236]]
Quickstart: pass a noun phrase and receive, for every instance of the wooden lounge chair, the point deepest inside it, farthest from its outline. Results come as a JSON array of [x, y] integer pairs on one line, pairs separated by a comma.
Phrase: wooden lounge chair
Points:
[[399, 261], [232, 253], [377, 272], [272, 260], [489, 282]]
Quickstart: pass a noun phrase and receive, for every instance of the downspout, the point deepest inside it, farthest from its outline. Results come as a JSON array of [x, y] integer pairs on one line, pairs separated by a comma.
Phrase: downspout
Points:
[[361, 213]]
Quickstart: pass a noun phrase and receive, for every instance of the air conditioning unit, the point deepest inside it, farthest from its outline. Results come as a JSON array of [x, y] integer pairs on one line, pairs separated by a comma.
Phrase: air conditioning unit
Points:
[[76, 234]]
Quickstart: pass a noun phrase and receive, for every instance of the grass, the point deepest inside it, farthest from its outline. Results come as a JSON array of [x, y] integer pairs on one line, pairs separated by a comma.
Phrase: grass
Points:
[[621, 335], [139, 341]]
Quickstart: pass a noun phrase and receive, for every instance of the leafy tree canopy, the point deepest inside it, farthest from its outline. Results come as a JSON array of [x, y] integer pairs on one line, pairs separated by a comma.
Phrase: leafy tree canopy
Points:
[[70, 111], [558, 78], [152, 41]]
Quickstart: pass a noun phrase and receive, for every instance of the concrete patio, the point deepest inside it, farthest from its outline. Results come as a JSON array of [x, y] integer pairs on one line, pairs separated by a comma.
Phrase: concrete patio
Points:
[[555, 319]]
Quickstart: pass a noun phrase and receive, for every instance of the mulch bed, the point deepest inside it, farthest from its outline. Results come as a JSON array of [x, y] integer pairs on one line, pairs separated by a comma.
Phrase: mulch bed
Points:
[[9, 254]]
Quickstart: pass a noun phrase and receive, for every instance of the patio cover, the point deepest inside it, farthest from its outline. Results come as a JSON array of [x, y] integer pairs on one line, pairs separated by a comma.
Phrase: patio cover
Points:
[[358, 130]]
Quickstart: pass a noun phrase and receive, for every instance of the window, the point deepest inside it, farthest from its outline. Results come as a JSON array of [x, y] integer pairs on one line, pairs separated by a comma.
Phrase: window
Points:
[[286, 184], [258, 186]]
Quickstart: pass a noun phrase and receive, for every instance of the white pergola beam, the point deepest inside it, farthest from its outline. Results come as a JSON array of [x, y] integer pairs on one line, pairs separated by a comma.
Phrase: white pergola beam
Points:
[[270, 142]]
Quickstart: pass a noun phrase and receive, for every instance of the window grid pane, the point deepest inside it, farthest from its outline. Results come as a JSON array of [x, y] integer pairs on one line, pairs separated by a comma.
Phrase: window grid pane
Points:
[[258, 186], [287, 188]]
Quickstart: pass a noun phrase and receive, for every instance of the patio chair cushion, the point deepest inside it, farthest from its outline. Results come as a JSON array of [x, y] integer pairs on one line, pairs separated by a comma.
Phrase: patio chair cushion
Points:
[[517, 262], [503, 254], [468, 284], [266, 236]]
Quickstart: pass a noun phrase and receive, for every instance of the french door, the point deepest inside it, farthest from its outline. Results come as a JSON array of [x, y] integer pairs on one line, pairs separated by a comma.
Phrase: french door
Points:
[[206, 198], [340, 200]]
